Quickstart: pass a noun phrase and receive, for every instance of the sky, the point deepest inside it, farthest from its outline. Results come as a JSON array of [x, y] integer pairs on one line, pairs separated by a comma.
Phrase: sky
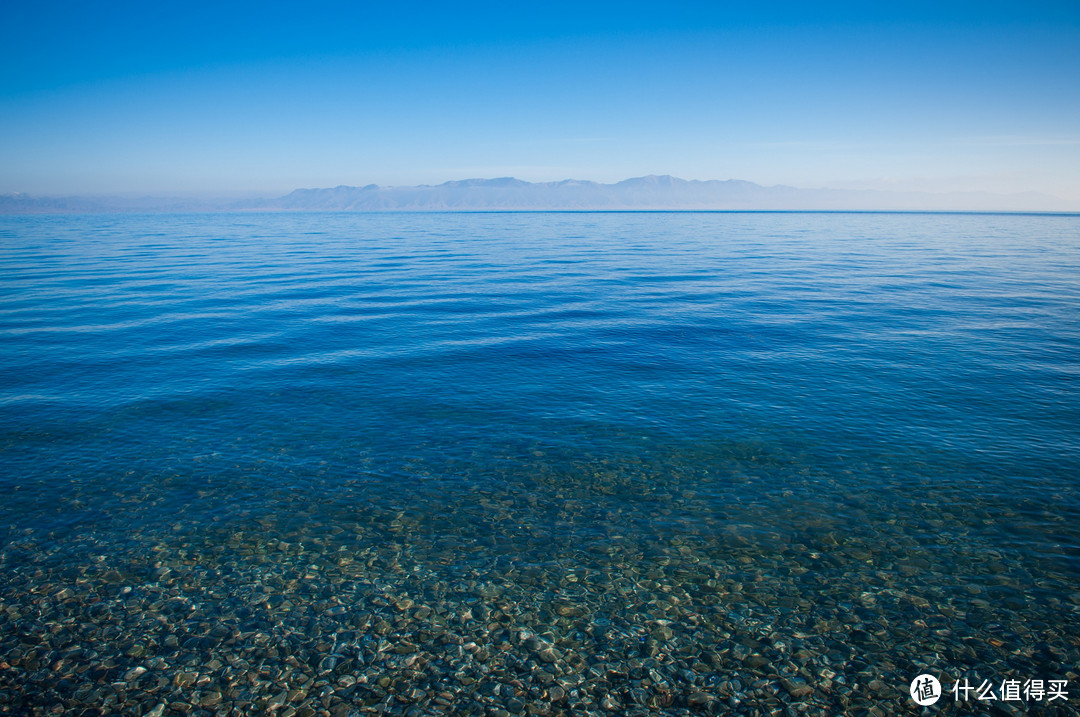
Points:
[[264, 97]]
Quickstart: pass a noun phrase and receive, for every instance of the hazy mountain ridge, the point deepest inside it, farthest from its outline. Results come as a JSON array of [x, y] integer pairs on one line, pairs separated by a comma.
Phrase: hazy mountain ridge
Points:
[[653, 192]]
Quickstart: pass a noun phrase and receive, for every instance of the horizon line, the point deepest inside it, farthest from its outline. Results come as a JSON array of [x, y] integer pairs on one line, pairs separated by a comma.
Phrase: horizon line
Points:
[[207, 194], [653, 192], [981, 212]]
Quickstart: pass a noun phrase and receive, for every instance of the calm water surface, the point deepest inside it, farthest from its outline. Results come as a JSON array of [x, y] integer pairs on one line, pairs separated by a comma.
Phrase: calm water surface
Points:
[[845, 444]]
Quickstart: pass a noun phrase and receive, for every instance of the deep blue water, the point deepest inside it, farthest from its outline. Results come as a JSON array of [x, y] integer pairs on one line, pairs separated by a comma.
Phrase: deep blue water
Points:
[[549, 388], [932, 351]]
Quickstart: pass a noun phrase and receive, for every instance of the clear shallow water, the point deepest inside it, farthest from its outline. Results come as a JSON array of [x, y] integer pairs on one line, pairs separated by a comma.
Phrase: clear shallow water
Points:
[[851, 424]]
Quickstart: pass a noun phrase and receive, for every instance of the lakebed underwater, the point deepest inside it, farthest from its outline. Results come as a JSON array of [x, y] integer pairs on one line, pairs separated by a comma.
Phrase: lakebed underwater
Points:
[[539, 463]]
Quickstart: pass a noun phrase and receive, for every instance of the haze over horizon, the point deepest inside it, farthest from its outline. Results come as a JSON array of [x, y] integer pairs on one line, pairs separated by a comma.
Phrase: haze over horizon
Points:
[[261, 99]]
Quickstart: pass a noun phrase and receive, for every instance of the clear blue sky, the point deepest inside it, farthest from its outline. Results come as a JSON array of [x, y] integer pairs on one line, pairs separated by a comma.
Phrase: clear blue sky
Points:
[[265, 97]]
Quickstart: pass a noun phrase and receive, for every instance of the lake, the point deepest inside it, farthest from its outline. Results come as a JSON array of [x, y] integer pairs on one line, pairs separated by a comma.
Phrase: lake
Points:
[[538, 463]]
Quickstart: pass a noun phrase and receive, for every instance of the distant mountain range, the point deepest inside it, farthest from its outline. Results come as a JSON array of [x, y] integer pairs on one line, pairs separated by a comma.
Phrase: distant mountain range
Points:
[[509, 194]]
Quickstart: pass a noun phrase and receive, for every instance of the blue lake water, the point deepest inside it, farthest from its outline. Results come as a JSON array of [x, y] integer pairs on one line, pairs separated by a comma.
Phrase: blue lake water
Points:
[[752, 454]]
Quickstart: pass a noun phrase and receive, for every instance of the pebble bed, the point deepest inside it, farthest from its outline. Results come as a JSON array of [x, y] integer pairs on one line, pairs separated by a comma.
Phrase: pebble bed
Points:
[[552, 588]]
